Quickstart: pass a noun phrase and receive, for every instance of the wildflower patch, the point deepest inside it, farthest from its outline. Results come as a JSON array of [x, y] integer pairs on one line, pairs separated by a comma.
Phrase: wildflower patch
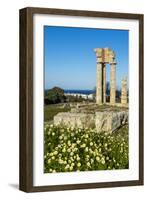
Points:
[[75, 149]]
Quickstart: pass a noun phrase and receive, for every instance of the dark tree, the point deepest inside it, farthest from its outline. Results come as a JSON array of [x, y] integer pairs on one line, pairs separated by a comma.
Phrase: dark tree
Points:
[[54, 95]]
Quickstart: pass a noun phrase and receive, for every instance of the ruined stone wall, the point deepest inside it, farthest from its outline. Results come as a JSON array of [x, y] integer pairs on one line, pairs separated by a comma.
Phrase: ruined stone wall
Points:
[[103, 121]]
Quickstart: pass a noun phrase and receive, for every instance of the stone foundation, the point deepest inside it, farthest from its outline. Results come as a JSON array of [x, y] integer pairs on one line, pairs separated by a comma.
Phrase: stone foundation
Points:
[[102, 121], [110, 121], [80, 120]]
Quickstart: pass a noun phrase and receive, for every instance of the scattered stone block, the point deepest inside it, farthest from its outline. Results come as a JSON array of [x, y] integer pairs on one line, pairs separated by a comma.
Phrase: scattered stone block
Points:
[[110, 121]]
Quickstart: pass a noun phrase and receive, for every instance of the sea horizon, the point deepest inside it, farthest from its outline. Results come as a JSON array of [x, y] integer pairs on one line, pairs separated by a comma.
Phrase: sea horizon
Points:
[[77, 91]]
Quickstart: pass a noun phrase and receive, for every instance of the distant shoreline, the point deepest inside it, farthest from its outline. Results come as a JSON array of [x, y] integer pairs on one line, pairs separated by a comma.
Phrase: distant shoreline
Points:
[[76, 91], [85, 92]]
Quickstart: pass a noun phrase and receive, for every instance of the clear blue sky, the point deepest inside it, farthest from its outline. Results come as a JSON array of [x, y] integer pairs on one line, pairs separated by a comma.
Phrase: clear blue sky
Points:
[[69, 59]]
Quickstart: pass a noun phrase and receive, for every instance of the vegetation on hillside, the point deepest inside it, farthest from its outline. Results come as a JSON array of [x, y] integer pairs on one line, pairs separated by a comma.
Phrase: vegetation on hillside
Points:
[[54, 95]]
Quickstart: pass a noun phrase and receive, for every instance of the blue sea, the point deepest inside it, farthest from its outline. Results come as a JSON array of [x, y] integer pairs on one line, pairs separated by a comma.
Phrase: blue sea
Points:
[[79, 91]]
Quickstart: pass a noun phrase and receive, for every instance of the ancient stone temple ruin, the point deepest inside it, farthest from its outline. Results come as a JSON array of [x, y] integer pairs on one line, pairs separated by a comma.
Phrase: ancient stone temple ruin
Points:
[[104, 56], [92, 115]]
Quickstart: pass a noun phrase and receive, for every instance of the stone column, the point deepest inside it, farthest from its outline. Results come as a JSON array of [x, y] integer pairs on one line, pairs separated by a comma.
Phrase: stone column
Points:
[[104, 83], [124, 91], [112, 83], [99, 83]]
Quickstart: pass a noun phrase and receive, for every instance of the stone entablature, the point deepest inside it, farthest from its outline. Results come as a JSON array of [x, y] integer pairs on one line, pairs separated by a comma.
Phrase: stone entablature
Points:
[[104, 55]]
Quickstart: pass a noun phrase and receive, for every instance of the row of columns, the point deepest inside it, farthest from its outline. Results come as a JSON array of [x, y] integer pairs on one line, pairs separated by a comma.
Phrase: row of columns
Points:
[[101, 83]]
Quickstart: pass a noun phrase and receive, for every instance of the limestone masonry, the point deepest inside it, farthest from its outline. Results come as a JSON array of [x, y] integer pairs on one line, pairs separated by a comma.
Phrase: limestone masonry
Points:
[[124, 92], [103, 121]]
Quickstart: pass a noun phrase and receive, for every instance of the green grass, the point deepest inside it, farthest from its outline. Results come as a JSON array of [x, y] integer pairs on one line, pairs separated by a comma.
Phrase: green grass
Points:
[[74, 149], [51, 110], [101, 108]]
